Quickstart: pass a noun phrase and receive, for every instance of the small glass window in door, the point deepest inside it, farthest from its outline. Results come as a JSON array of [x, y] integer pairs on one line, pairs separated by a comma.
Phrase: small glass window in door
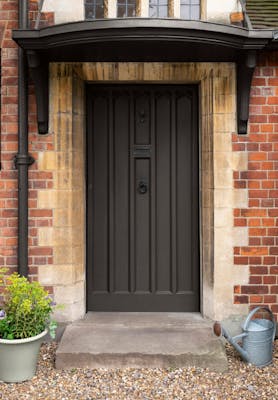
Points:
[[94, 9], [158, 8], [126, 8], [190, 9]]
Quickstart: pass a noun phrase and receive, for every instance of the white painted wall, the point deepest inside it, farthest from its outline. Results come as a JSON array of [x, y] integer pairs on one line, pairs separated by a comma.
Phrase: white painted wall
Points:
[[73, 10], [65, 10], [219, 10]]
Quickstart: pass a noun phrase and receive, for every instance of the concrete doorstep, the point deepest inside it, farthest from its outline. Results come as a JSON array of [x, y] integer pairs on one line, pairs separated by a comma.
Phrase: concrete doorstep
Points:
[[141, 340]]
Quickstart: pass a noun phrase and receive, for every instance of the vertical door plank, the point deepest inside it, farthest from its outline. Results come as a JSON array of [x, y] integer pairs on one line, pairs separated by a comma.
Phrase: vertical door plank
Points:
[[184, 193], [163, 190], [173, 195], [142, 227], [100, 194], [120, 196], [111, 194]]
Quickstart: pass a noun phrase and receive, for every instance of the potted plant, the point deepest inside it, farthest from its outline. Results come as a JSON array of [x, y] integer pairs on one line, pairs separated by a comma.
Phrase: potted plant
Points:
[[25, 319]]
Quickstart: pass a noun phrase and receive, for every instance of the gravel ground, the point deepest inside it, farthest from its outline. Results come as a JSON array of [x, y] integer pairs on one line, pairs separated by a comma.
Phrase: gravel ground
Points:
[[241, 381]]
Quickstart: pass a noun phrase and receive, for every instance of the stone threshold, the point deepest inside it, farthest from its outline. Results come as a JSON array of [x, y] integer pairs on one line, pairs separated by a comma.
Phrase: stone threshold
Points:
[[140, 340]]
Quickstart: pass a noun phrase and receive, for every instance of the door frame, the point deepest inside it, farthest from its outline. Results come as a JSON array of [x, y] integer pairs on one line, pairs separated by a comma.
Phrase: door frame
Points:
[[67, 272]]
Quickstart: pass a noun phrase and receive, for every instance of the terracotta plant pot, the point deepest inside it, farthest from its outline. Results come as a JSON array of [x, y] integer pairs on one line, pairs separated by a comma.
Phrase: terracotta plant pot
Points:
[[18, 358]]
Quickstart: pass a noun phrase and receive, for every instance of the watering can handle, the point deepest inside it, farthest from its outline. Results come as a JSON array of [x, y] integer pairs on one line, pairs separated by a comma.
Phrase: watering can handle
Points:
[[253, 312]]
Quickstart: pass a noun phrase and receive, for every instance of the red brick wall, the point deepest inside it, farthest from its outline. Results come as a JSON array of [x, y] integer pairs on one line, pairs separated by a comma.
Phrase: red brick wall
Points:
[[8, 176], [261, 217], [9, 132], [261, 181]]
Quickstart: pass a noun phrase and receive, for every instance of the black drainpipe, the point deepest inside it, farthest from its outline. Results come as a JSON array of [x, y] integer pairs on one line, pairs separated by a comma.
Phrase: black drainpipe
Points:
[[22, 158]]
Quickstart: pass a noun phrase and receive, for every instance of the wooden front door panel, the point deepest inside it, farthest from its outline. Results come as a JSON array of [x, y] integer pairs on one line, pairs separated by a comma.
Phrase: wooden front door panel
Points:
[[142, 198]]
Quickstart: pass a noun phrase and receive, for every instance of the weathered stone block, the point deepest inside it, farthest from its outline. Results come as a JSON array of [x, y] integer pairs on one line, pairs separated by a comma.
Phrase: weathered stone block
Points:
[[70, 294], [57, 274]]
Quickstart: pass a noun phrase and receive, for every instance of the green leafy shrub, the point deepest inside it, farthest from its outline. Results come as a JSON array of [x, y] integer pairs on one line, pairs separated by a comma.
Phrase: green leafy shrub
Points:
[[26, 310]]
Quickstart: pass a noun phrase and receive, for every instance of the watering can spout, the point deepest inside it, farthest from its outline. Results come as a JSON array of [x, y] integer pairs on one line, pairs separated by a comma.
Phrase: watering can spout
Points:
[[220, 331]]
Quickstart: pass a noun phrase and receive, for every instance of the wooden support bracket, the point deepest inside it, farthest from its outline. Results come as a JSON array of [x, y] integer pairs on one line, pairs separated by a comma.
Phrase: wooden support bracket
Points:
[[39, 75], [245, 71]]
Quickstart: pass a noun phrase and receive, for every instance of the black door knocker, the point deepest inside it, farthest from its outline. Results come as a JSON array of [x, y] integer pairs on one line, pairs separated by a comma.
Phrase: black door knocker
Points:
[[142, 187]]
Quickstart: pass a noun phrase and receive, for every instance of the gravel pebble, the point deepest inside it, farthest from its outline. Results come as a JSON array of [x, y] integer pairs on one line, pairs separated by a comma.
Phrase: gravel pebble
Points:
[[241, 381]]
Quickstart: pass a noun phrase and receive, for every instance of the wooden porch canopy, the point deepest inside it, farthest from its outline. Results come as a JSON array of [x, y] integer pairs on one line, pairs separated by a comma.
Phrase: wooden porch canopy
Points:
[[144, 40]]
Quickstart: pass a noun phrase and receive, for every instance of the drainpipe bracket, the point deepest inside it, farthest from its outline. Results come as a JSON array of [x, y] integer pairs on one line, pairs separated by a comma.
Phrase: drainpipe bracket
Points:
[[20, 159]]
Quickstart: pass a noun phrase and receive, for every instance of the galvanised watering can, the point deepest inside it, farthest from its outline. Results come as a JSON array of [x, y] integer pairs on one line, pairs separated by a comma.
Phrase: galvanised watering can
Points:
[[257, 338]]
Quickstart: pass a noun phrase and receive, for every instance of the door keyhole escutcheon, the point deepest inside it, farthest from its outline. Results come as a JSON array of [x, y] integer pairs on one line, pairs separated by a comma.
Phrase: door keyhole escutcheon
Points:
[[142, 116], [142, 187]]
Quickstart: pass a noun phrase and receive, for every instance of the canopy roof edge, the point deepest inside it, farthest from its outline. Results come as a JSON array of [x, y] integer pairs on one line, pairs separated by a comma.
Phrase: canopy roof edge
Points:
[[144, 40]]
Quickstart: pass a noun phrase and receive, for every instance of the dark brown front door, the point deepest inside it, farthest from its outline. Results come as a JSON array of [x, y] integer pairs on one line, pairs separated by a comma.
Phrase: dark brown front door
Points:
[[142, 198]]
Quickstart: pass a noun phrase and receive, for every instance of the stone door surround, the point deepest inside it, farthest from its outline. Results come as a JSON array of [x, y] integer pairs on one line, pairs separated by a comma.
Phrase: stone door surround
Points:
[[67, 235]]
